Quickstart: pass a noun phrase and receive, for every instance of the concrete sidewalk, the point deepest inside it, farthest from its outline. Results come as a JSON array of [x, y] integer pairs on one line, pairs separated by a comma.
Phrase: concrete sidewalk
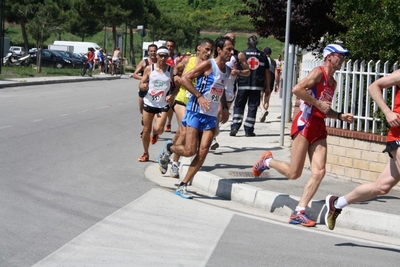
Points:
[[227, 173]]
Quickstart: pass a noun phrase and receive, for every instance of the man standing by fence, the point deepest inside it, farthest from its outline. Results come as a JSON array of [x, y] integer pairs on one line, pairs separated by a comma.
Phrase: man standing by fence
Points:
[[390, 176], [309, 131]]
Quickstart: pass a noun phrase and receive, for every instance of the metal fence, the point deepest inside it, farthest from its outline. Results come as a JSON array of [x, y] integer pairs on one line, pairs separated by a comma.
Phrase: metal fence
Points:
[[353, 80]]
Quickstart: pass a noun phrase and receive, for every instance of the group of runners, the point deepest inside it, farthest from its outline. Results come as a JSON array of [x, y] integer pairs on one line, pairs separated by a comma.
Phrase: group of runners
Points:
[[197, 88]]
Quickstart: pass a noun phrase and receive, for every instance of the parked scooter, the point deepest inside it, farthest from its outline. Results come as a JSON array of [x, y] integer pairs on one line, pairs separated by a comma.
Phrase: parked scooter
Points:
[[12, 59]]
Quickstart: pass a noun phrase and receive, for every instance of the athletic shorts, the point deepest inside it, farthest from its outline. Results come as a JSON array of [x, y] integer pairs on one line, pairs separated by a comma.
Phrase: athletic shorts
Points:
[[155, 110], [199, 121], [142, 93], [391, 146], [312, 128], [177, 102]]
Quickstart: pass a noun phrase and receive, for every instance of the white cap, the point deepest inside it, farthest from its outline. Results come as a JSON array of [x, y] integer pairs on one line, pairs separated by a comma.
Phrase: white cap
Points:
[[334, 48]]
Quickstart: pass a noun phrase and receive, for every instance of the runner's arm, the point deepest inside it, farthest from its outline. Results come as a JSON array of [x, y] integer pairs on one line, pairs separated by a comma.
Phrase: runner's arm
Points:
[[144, 82], [139, 68]]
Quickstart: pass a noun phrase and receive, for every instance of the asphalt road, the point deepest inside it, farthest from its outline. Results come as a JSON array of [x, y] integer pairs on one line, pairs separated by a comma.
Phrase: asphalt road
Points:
[[73, 194]]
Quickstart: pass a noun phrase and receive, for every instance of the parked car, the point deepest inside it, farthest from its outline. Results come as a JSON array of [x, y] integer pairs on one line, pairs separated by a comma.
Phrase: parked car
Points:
[[18, 50], [76, 60], [52, 59]]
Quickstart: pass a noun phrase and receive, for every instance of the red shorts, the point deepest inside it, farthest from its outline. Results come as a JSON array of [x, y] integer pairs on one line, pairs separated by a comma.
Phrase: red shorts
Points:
[[311, 127]]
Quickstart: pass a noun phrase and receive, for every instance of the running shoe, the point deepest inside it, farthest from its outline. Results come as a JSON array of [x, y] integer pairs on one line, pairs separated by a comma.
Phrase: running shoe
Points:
[[260, 165], [264, 114], [168, 127], [182, 192], [174, 171], [163, 157], [214, 144], [332, 213], [301, 218], [153, 139], [144, 158]]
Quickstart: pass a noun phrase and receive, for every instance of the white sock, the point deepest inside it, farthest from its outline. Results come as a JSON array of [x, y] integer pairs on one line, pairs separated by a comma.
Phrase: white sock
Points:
[[298, 209], [267, 161], [341, 202], [175, 163]]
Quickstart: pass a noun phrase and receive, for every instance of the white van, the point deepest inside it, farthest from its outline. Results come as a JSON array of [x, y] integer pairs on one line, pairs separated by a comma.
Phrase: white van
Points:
[[79, 47], [145, 46]]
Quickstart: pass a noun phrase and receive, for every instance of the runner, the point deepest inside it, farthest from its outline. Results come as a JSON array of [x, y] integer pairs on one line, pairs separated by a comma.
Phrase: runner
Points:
[[309, 131], [201, 112], [156, 81], [204, 51], [138, 74]]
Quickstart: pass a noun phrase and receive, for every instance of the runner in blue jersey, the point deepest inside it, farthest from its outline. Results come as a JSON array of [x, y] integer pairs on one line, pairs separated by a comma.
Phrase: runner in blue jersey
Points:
[[201, 111]]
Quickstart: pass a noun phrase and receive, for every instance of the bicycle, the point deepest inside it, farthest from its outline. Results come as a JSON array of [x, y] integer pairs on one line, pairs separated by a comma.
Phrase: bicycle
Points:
[[85, 67], [116, 68]]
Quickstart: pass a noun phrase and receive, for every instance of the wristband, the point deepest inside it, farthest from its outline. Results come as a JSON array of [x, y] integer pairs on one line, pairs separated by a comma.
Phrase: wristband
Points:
[[339, 116], [199, 96]]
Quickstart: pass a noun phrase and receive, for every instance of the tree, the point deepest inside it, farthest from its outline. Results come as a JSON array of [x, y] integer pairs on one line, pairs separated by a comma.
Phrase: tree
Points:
[[21, 11], [310, 20], [84, 21], [48, 19], [373, 32], [141, 16]]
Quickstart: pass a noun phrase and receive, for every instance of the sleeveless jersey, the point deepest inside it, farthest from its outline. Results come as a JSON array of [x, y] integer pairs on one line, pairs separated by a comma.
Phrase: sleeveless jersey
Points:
[[394, 132], [230, 85], [184, 95], [159, 85], [211, 87], [322, 91]]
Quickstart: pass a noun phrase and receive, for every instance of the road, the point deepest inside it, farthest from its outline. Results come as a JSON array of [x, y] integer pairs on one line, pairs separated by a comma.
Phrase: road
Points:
[[73, 194]]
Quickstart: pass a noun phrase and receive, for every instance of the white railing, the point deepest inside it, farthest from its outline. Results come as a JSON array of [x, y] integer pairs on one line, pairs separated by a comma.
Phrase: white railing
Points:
[[352, 95]]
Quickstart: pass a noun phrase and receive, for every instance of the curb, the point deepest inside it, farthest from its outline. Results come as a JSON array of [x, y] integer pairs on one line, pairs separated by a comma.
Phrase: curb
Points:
[[283, 204], [22, 82]]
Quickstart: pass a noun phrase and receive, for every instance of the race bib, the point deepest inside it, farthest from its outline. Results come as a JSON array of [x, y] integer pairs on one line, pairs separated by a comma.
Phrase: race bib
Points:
[[216, 92], [156, 96]]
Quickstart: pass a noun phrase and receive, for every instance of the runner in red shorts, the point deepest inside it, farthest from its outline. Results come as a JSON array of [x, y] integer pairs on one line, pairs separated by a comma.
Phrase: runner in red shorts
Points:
[[308, 130]]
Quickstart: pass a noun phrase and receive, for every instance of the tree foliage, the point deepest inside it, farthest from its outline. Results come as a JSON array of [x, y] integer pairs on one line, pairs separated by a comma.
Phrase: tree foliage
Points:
[[373, 28], [309, 20]]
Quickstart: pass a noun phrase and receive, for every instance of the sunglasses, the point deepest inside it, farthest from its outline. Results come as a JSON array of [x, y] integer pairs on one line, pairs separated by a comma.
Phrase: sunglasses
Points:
[[341, 56], [163, 55]]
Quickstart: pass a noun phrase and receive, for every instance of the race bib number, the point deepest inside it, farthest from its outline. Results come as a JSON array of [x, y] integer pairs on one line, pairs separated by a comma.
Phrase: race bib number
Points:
[[216, 92], [157, 96]]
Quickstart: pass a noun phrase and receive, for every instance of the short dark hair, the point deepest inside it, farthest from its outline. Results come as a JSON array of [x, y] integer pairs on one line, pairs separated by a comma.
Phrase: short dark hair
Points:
[[152, 45], [171, 41], [252, 41], [205, 41], [220, 43]]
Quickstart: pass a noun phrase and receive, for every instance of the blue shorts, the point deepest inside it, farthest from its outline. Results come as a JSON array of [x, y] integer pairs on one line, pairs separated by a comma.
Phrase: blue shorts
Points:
[[199, 121]]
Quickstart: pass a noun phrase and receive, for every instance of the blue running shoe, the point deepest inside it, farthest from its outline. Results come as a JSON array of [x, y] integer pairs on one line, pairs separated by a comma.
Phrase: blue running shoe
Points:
[[301, 218], [182, 192], [163, 157], [260, 166]]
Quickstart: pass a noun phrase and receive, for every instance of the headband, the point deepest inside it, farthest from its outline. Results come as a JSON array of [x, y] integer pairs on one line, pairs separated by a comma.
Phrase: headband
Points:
[[163, 50]]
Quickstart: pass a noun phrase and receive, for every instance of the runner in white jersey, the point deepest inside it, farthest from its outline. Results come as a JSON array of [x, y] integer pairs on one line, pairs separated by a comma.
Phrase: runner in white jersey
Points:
[[156, 80], [201, 111]]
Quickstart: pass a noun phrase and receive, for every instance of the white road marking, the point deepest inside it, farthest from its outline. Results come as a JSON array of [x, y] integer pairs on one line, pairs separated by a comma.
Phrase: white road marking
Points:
[[63, 115], [37, 120], [157, 229], [4, 127], [82, 111]]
